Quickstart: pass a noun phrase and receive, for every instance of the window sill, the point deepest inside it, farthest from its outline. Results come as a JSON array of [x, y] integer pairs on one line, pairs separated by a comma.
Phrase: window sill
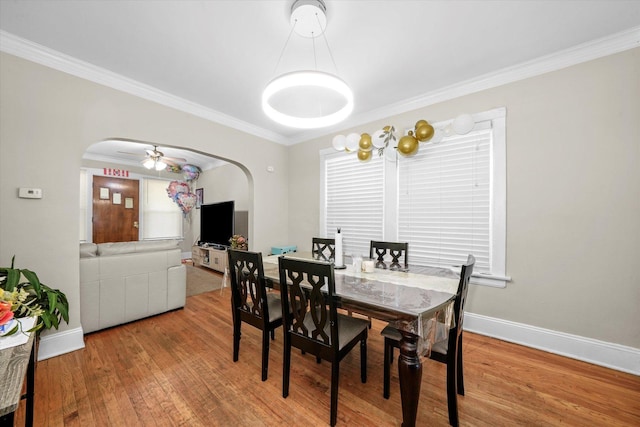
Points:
[[487, 279]]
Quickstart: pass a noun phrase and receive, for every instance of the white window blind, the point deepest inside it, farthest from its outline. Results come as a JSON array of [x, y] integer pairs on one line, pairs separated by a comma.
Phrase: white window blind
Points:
[[444, 203], [354, 200], [162, 218]]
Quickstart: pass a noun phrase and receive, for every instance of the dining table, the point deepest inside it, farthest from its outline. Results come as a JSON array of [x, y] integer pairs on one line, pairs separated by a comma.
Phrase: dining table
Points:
[[413, 300]]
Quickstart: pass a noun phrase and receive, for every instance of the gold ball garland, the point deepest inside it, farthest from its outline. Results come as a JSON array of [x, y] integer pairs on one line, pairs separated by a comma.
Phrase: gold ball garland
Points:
[[408, 145]]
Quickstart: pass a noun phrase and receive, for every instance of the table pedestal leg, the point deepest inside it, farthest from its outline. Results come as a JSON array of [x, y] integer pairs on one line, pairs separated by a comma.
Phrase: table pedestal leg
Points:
[[410, 375]]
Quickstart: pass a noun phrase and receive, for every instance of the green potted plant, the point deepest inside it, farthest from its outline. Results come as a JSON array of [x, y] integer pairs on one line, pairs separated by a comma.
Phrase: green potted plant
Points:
[[23, 295]]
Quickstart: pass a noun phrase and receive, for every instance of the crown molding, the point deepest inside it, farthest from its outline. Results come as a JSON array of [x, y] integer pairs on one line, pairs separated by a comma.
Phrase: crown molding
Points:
[[605, 46], [595, 49], [37, 53]]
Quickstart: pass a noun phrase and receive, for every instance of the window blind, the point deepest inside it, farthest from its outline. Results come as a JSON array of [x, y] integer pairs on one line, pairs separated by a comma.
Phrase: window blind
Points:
[[354, 200], [162, 218], [444, 201]]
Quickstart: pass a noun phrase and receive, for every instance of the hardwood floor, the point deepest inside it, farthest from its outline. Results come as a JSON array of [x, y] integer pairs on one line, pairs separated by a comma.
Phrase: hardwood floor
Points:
[[176, 369]]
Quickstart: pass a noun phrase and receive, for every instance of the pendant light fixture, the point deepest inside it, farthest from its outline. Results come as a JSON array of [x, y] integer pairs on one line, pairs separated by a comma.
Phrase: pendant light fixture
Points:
[[307, 99]]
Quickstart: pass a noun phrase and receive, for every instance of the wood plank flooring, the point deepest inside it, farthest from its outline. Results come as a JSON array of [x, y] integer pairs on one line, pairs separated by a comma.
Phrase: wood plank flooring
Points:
[[176, 369]]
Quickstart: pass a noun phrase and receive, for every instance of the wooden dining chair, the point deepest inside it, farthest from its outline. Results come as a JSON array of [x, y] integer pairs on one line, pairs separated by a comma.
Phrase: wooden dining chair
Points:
[[398, 254], [251, 303], [397, 251], [448, 351], [315, 326], [323, 249]]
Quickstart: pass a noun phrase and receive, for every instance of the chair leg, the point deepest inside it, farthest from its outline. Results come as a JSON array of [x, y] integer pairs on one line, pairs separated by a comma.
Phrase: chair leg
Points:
[[363, 361], [265, 354], [388, 356], [335, 375], [273, 334], [236, 338], [286, 357], [459, 372], [452, 395]]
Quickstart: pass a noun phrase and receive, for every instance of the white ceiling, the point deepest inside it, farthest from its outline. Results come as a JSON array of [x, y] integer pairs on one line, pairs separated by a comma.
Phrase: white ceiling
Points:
[[213, 58]]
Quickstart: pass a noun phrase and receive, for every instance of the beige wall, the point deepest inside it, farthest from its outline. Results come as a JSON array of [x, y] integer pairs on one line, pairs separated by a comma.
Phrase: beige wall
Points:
[[48, 119], [573, 197]]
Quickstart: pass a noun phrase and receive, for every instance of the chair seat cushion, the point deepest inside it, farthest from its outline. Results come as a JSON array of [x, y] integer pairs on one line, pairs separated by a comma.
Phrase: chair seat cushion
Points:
[[391, 333], [275, 306], [348, 328]]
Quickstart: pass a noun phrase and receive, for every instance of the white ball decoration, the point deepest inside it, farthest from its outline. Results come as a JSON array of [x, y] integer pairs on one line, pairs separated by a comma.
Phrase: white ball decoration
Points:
[[463, 124], [447, 130], [377, 139], [353, 139], [339, 142], [438, 134]]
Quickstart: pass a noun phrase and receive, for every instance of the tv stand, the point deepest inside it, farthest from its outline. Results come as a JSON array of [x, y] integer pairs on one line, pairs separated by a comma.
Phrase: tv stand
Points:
[[213, 257]]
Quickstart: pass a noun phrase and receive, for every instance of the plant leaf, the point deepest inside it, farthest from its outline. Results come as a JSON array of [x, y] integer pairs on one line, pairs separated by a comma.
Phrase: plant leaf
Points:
[[33, 280], [53, 299], [13, 278]]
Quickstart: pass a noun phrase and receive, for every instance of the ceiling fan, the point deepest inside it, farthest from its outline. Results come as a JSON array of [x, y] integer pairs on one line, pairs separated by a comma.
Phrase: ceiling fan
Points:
[[155, 159]]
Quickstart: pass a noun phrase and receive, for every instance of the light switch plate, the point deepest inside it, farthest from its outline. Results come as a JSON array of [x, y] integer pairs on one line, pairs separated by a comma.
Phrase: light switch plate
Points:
[[30, 193]]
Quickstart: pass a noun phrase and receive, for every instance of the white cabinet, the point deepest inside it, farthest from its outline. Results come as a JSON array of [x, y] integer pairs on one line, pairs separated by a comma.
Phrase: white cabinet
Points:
[[215, 259]]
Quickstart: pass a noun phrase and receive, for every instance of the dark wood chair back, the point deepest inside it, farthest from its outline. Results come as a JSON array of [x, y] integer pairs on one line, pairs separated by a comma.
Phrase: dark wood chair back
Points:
[[458, 305], [250, 301], [323, 249], [313, 324], [398, 252]]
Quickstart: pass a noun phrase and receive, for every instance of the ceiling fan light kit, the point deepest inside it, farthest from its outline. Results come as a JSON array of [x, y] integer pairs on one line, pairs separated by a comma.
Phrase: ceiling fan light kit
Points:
[[328, 98]]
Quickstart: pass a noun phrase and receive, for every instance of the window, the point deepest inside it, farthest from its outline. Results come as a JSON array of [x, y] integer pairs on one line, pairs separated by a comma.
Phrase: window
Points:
[[353, 201], [448, 200], [161, 217]]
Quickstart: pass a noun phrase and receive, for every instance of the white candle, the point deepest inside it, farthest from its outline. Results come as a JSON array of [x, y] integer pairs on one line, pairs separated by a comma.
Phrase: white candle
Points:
[[339, 261]]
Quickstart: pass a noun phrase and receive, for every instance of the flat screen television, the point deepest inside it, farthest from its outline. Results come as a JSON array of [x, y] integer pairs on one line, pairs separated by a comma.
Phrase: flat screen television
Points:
[[217, 223]]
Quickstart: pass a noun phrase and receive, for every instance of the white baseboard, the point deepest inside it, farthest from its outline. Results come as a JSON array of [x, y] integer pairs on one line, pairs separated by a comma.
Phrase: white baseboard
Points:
[[60, 343], [610, 355]]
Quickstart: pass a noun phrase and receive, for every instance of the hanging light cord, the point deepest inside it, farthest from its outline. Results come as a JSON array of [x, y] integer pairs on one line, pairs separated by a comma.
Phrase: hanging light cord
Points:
[[328, 48], [293, 27], [313, 42]]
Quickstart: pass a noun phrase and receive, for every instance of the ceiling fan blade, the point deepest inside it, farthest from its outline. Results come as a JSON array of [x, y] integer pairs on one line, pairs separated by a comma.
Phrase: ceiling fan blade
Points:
[[175, 159], [132, 154]]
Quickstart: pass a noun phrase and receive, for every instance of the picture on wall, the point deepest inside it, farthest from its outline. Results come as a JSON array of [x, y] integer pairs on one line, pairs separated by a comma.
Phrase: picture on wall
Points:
[[199, 197]]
